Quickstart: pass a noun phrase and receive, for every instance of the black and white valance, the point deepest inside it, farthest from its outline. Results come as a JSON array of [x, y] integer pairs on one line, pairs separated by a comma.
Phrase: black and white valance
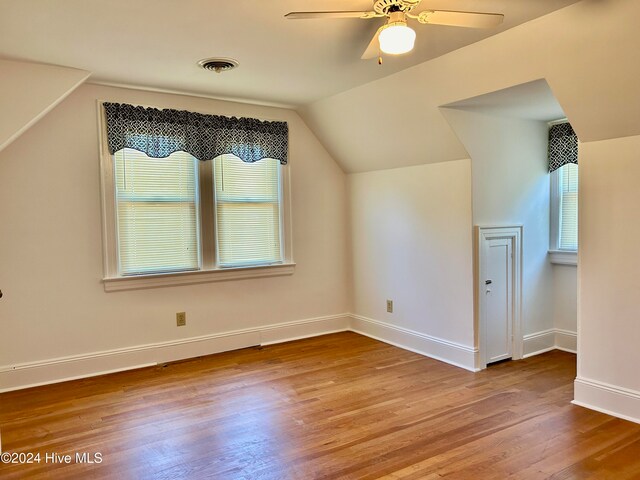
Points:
[[159, 133], [563, 146]]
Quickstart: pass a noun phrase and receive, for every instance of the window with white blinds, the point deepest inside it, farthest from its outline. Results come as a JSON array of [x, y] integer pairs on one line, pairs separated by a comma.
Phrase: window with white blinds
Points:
[[568, 206], [247, 211], [179, 219], [157, 212], [564, 210]]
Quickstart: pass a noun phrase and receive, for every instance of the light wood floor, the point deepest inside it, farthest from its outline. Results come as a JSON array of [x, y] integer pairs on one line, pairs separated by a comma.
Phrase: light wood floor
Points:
[[334, 407]]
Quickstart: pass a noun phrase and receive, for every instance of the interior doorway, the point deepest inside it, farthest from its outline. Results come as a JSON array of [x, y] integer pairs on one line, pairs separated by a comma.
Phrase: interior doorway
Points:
[[499, 290]]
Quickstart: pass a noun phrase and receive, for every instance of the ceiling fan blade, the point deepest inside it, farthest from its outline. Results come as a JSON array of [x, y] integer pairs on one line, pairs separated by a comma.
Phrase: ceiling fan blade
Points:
[[461, 19], [373, 50], [336, 14]]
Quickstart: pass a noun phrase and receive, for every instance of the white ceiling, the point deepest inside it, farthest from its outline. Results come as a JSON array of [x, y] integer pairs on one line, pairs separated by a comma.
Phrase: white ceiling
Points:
[[530, 101], [156, 43]]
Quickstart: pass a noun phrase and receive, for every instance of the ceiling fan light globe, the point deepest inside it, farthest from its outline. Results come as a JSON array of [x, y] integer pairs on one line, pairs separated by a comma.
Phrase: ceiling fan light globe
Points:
[[397, 38]]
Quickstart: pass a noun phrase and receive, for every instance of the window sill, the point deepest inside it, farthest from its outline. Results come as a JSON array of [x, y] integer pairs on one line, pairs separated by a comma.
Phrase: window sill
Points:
[[563, 257], [116, 284]]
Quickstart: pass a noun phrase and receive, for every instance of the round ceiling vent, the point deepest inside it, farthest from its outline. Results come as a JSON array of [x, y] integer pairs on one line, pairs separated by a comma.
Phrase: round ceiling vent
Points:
[[218, 64]]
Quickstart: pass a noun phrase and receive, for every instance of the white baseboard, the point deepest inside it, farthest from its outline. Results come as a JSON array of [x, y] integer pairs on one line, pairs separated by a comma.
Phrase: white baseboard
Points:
[[450, 352], [609, 399], [566, 340], [25, 375], [547, 340], [32, 374], [539, 342], [313, 327]]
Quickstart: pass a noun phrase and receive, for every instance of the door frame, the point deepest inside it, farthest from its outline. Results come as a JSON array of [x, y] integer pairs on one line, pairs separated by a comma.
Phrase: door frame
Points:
[[483, 235]]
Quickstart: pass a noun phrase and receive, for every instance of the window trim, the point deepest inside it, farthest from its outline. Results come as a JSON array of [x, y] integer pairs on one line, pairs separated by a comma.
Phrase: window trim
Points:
[[130, 282], [563, 257], [209, 272]]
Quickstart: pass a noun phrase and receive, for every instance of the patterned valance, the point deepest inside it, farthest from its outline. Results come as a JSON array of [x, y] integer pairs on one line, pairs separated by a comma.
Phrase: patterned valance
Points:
[[563, 146], [159, 133]]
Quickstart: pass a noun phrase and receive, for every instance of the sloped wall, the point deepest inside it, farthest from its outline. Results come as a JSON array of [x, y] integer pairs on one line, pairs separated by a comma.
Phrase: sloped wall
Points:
[[28, 91]]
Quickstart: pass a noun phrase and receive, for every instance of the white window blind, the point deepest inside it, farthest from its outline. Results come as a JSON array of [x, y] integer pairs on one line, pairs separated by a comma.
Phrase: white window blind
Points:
[[247, 205], [157, 212], [568, 203]]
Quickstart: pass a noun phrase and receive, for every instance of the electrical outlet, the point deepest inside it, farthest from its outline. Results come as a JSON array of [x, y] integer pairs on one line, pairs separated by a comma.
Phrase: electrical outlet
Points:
[[181, 319], [389, 306]]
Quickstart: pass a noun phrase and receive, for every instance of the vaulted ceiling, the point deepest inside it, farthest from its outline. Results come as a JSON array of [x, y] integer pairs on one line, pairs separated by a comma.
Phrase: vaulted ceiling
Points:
[[156, 43], [587, 53]]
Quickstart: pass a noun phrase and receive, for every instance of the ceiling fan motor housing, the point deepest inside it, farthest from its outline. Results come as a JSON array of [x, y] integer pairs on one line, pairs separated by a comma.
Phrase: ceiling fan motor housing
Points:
[[386, 7]]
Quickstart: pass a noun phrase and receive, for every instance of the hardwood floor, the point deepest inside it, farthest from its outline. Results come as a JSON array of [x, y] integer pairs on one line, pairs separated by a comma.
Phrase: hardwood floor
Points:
[[340, 406]]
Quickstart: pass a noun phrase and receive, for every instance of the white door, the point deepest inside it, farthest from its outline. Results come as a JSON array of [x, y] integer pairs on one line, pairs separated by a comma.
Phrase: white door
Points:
[[499, 299]]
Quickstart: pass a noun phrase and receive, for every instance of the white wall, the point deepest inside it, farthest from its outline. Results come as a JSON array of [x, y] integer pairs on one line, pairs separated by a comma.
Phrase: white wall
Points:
[[511, 187], [609, 283], [565, 297], [54, 304], [412, 243]]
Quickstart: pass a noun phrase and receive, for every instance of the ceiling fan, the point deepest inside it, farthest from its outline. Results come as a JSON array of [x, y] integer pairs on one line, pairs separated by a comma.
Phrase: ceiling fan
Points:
[[395, 37]]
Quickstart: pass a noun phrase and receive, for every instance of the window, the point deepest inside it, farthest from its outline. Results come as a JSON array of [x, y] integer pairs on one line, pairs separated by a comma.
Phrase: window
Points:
[[247, 200], [157, 212], [563, 157], [566, 179], [179, 220]]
